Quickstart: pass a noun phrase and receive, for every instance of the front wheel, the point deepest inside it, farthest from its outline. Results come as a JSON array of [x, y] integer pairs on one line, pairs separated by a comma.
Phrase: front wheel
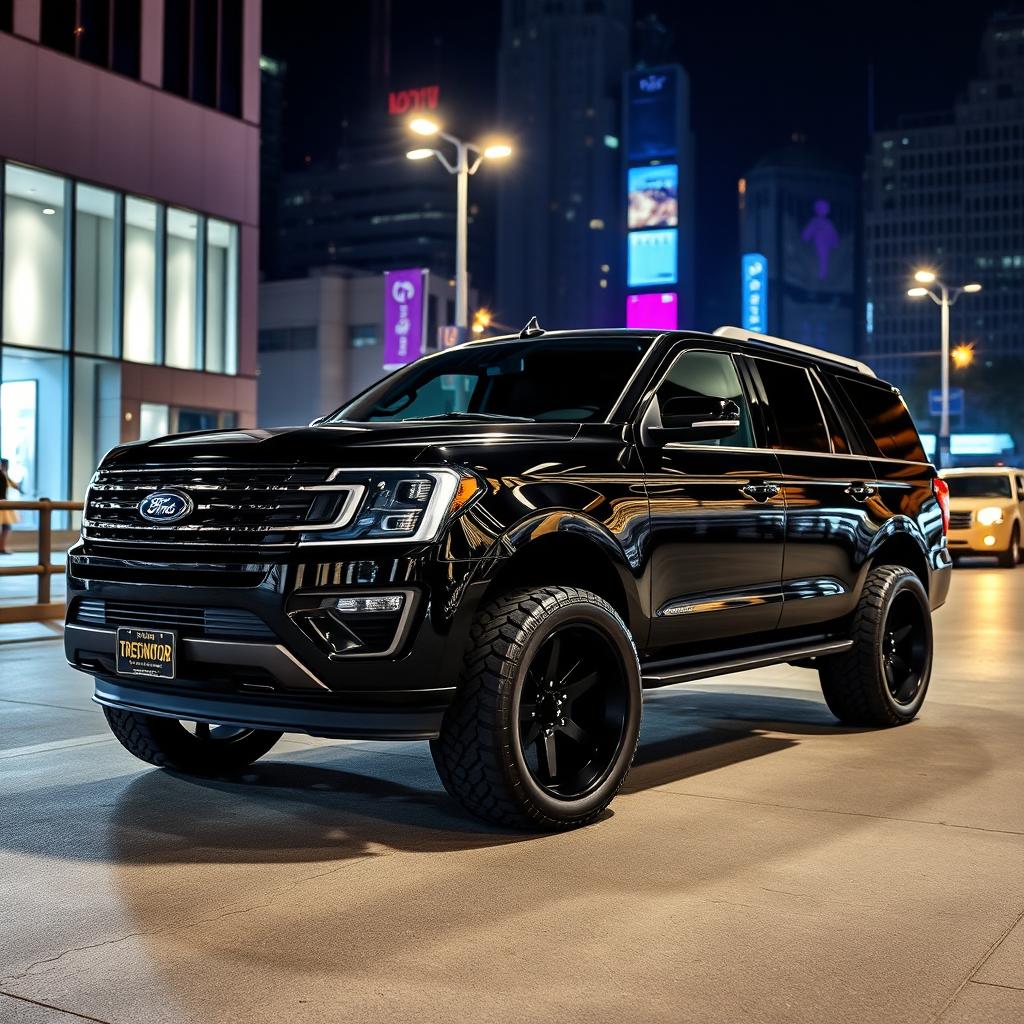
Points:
[[883, 678], [1011, 556], [545, 723], [196, 748]]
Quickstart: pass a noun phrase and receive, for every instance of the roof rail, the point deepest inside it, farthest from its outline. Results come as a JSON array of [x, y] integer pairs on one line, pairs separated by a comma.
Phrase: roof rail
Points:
[[740, 334]]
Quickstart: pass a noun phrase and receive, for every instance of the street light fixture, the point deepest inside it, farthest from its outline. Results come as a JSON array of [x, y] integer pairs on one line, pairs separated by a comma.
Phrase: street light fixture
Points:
[[944, 296], [468, 157]]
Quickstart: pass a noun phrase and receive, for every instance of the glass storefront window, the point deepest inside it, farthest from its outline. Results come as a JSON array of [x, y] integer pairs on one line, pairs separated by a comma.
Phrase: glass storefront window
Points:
[[95, 270], [33, 272], [154, 420], [34, 425], [182, 336], [140, 279], [97, 418], [221, 297]]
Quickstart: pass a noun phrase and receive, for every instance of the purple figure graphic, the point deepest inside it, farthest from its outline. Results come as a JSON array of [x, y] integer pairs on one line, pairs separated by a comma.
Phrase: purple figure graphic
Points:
[[822, 233]]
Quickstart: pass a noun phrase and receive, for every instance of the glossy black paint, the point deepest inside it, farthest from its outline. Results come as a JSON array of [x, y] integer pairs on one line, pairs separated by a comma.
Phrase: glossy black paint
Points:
[[695, 560]]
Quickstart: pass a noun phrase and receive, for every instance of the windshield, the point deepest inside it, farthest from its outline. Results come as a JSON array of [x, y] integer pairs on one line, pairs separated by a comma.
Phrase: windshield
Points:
[[978, 486], [570, 380]]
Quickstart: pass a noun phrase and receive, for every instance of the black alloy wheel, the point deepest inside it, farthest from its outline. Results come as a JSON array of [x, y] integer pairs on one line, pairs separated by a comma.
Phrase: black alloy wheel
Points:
[[573, 710], [905, 651]]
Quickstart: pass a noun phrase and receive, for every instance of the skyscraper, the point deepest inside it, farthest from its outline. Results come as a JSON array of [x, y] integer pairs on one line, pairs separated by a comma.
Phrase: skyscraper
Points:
[[798, 242], [561, 215], [946, 191]]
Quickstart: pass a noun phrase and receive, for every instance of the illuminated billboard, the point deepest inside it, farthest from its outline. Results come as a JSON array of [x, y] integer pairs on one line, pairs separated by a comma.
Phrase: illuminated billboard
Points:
[[653, 257], [654, 196], [754, 286], [658, 311], [653, 113]]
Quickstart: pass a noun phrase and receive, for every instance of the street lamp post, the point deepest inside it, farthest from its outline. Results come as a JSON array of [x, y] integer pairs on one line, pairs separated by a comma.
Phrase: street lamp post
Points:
[[944, 298], [468, 157]]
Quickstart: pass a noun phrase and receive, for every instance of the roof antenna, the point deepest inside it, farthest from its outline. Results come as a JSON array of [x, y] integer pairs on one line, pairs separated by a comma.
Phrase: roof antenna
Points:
[[532, 329]]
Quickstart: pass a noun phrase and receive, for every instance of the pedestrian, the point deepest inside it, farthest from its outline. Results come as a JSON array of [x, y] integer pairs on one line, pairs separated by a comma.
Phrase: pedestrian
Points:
[[8, 517]]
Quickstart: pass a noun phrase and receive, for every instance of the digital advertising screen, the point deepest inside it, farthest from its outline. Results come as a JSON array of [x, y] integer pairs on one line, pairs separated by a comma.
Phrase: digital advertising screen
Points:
[[658, 311], [653, 117], [653, 196], [754, 288], [652, 258]]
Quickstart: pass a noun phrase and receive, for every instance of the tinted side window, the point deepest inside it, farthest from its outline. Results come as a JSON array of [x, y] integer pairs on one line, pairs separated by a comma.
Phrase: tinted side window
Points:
[[886, 419], [795, 422], [836, 432], [706, 374]]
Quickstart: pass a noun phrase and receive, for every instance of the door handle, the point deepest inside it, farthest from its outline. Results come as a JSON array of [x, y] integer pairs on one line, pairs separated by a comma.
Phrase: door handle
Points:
[[861, 492], [760, 492]]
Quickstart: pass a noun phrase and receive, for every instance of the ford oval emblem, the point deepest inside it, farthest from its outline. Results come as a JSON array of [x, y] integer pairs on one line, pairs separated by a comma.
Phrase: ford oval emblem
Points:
[[165, 506]]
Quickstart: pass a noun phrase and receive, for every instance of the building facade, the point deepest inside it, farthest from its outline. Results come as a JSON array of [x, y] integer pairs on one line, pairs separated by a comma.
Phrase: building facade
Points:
[[946, 192], [561, 215], [128, 228], [799, 247], [322, 339]]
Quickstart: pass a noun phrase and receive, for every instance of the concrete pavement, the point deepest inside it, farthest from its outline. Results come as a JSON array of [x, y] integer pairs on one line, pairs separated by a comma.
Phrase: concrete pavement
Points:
[[761, 864]]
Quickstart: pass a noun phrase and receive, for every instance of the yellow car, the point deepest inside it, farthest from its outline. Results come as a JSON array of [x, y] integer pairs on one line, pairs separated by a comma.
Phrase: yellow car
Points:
[[986, 509]]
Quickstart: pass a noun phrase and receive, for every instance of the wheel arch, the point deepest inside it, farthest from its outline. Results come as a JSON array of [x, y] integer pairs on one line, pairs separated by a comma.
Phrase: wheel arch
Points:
[[901, 545]]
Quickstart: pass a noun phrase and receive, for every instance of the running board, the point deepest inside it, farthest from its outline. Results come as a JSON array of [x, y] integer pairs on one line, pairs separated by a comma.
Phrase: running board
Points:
[[685, 670]]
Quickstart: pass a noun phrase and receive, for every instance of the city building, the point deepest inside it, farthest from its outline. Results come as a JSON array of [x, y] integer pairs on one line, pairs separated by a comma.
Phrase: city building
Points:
[[799, 248], [128, 233], [561, 214], [322, 339], [658, 193], [946, 192], [273, 74]]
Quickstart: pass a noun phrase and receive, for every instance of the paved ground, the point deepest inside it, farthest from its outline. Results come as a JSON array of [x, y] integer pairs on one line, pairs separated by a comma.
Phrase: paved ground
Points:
[[761, 865]]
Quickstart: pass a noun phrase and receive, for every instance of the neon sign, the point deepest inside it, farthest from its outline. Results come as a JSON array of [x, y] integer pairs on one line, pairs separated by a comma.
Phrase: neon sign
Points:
[[402, 101], [754, 283]]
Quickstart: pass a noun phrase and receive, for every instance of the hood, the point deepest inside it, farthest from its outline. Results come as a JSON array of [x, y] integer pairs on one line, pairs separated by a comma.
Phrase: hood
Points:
[[348, 444]]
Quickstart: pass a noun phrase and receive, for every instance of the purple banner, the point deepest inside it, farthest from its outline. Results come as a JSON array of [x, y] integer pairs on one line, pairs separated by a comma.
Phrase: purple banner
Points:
[[404, 316]]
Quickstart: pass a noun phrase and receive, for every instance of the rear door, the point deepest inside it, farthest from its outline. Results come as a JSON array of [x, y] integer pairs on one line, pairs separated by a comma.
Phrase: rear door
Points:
[[717, 513], [832, 506]]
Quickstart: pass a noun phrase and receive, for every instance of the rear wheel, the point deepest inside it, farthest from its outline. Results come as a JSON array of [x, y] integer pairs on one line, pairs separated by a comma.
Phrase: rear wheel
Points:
[[545, 723], [196, 748], [883, 678], [1011, 556]]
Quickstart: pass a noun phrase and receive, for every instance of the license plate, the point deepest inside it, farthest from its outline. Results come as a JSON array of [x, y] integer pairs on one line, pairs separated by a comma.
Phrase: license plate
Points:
[[145, 652]]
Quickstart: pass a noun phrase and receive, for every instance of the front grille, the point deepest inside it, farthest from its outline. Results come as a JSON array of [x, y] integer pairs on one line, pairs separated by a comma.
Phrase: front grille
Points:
[[234, 623], [960, 520], [237, 506]]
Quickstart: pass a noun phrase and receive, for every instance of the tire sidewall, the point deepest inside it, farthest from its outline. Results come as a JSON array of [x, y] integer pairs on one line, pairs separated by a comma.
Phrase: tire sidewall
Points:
[[907, 581], [541, 626]]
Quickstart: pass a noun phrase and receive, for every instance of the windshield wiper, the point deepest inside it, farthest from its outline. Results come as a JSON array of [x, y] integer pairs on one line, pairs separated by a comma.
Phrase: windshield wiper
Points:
[[471, 416]]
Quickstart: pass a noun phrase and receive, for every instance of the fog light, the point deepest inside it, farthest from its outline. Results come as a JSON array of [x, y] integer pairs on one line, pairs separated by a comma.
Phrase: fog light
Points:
[[989, 540], [375, 604]]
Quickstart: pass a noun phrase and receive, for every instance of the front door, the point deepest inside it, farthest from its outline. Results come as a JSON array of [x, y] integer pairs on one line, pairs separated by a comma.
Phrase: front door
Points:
[[717, 515]]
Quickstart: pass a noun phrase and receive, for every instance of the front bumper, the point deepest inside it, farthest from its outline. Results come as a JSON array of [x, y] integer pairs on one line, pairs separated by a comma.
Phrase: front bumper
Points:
[[972, 540]]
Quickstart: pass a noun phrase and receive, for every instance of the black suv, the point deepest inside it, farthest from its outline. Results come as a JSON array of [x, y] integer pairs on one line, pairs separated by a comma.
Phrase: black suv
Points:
[[498, 547]]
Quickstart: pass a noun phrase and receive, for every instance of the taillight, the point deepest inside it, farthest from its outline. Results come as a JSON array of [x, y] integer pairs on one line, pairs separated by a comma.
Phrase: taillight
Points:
[[941, 491]]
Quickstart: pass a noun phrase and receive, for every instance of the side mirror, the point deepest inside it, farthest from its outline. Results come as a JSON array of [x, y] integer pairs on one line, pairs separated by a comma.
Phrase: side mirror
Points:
[[696, 418]]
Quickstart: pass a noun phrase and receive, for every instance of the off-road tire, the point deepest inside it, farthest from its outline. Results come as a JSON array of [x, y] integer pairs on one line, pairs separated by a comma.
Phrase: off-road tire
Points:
[[854, 683], [166, 743], [1010, 558], [478, 754]]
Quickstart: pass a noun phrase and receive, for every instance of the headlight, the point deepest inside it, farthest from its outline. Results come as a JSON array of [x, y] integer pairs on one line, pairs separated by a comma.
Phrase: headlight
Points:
[[990, 515], [400, 504]]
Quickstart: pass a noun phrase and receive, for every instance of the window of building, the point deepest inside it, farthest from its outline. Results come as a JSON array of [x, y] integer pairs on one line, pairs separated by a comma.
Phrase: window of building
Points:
[[96, 417], [203, 52], [221, 297], [34, 261], [154, 420], [795, 420], [6, 15], [363, 336], [287, 339], [141, 291], [95, 270], [182, 339], [102, 32]]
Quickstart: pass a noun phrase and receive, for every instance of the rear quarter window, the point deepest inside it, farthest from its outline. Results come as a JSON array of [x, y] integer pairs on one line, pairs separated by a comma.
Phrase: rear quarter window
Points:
[[885, 419]]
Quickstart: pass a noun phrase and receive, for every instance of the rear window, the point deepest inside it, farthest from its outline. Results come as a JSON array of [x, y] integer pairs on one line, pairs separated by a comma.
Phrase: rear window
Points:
[[886, 420], [979, 486]]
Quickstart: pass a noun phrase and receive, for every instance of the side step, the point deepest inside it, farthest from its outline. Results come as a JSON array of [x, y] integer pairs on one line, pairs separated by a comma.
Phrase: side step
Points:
[[685, 670]]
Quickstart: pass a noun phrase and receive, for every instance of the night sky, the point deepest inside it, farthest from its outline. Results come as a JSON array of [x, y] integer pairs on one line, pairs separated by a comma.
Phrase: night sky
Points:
[[758, 73]]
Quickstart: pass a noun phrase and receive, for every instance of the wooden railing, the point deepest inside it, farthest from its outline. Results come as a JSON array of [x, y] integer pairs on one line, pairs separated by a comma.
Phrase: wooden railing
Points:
[[44, 568]]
